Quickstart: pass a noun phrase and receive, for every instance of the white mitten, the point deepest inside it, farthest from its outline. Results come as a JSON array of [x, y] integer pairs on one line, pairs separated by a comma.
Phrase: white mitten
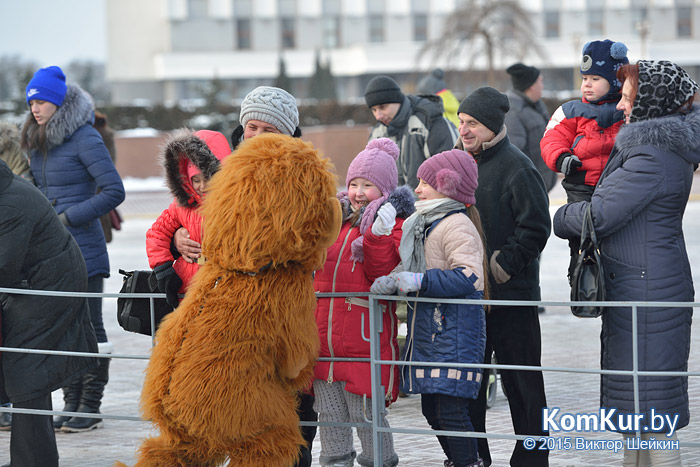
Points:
[[385, 221], [385, 285]]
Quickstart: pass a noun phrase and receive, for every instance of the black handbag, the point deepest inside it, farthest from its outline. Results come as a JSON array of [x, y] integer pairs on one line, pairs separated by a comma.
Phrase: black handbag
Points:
[[134, 314], [587, 281]]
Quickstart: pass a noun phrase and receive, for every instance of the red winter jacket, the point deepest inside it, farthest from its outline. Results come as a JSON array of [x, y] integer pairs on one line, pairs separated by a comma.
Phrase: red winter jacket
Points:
[[205, 149], [586, 130], [340, 320]]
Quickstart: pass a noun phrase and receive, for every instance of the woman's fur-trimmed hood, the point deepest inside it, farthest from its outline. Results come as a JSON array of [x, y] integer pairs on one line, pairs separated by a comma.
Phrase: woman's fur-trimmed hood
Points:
[[77, 110], [205, 149], [673, 133]]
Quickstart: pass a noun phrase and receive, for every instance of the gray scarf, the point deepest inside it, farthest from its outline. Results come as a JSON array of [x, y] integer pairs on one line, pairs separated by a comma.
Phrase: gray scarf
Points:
[[412, 248]]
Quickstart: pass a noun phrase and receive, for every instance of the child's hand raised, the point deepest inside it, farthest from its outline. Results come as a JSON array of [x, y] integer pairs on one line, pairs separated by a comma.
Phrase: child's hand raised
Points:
[[385, 221]]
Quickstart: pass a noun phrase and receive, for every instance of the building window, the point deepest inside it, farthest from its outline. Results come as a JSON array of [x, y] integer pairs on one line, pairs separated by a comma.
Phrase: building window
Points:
[[287, 7], [420, 28], [639, 21], [242, 8], [288, 33], [376, 28], [331, 32], [197, 8], [684, 21], [551, 23], [595, 22], [243, 33]]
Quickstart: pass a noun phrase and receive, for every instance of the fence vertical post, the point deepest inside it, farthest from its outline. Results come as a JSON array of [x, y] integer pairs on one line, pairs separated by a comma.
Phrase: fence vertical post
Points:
[[635, 363], [376, 372]]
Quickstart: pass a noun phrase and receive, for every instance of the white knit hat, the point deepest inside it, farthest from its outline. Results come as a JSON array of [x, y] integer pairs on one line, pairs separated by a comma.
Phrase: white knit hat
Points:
[[271, 105]]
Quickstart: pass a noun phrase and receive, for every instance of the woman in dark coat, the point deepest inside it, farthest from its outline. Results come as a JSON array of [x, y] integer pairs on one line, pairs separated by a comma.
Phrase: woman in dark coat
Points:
[[637, 210], [72, 167], [38, 253]]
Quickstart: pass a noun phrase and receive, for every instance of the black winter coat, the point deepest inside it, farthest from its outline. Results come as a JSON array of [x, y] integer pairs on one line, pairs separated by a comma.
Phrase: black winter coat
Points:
[[37, 252], [637, 210], [514, 209]]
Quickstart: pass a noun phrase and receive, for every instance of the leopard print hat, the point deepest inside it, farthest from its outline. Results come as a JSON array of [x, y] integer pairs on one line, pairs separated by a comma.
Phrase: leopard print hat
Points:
[[663, 88]]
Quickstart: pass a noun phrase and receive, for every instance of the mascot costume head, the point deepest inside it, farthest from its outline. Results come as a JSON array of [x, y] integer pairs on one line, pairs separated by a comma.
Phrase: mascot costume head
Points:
[[222, 380]]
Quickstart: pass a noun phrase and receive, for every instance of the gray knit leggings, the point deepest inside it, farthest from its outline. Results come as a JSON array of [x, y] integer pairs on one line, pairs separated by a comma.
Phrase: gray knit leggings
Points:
[[335, 404]]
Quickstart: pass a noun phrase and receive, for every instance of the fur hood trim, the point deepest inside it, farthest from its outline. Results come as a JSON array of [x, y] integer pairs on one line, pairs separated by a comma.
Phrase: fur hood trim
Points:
[[9, 137], [673, 133], [182, 146], [77, 110]]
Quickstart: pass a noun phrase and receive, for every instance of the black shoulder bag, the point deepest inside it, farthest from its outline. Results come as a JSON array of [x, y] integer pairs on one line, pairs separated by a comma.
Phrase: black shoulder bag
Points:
[[134, 314], [587, 281]]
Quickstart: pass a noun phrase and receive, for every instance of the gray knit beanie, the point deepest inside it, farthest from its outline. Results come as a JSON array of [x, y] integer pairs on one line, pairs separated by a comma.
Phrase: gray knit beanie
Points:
[[432, 83], [382, 90], [271, 105], [488, 106]]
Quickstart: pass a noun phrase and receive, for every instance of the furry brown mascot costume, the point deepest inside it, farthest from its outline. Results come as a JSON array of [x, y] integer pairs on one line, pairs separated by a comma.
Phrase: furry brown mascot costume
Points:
[[227, 363]]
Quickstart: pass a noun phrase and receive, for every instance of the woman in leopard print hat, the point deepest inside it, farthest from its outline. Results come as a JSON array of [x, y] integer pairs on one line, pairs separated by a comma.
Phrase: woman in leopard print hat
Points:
[[637, 210]]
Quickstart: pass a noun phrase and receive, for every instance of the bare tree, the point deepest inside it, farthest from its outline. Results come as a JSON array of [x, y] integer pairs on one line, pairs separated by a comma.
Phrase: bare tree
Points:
[[494, 29]]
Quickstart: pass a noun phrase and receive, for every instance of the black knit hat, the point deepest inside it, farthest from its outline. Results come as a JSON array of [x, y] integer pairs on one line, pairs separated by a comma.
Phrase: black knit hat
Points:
[[432, 83], [382, 90], [488, 106], [523, 76]]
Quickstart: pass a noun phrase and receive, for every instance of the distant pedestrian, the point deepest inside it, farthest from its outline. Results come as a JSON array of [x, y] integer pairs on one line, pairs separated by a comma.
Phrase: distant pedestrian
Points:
[[415, 123], [528, 116], [434, 83], [72, 167]]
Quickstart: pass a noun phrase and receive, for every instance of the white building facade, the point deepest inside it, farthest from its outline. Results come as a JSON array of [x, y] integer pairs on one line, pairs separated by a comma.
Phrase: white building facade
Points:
[[166, 51]]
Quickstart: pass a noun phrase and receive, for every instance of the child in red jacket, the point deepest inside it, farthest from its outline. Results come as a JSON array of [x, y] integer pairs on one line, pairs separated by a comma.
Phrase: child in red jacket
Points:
[[368, 247], [190, 159], [581, 133]]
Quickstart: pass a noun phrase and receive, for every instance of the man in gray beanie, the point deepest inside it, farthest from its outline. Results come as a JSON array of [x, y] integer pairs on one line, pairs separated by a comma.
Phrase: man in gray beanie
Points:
[[528, 117], [415, 123], [265, 109], [514, 208]]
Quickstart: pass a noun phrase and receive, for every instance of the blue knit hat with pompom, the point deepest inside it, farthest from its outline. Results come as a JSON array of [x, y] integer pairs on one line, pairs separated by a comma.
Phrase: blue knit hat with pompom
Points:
[[604, 58]]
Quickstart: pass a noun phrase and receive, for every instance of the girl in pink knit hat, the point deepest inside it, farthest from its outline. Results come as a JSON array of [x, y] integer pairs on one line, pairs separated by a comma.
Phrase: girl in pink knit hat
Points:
[[442, 255], [368, 247]]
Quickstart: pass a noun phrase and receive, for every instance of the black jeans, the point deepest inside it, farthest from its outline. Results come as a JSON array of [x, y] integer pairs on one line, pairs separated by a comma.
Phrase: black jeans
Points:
[[452, 414], [513, 333], [33, 441]]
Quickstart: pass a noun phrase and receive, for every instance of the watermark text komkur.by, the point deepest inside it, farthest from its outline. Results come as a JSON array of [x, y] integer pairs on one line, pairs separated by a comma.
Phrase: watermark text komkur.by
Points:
[[608, 419]]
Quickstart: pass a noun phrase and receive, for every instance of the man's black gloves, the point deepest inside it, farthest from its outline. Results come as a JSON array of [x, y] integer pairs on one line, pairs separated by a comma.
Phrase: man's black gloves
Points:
[[568, 163]]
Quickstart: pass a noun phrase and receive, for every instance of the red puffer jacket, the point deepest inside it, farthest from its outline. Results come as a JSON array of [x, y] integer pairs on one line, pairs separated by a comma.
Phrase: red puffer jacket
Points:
[[586, 130], [204, 149], [343, 323]]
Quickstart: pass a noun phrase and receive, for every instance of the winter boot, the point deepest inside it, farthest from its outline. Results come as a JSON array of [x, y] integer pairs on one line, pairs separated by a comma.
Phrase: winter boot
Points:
[[71, 400], [347, 460], [90, 399]]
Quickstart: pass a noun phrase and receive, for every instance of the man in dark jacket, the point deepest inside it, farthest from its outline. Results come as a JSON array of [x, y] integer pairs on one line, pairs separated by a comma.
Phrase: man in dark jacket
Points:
[[528, 117], [514, 208], [38, 253], [415, 123]]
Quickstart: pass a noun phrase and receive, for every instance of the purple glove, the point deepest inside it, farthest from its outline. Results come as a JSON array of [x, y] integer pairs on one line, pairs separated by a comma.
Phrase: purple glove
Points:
[[409, 281]]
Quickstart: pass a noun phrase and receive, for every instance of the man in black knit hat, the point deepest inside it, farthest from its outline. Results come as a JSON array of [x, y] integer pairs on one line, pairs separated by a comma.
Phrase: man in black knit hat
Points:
[[514, 209], [415, 123], [528, 117]]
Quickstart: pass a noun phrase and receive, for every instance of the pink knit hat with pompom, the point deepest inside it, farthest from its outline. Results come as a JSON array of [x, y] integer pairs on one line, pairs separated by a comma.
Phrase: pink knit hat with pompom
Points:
[[453, 173]]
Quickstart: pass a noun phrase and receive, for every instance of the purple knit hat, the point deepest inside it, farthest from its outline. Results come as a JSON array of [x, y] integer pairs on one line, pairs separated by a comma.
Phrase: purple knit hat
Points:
[[453, 173], [376, 163]]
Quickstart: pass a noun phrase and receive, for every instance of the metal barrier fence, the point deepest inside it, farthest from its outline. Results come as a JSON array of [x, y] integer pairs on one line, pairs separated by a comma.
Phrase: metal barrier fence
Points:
[[375, 325]]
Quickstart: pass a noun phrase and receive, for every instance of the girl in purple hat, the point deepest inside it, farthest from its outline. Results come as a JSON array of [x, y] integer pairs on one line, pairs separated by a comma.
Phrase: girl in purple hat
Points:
[[368, 247], [442, 255]]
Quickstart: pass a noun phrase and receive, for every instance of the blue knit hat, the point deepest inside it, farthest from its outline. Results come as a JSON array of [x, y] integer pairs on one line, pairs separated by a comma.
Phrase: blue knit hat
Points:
[[604, 58], [48, 84]]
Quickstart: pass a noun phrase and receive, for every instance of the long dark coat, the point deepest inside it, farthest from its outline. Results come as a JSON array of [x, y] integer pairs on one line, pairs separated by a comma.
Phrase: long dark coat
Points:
[[637, 209], [37, 252]]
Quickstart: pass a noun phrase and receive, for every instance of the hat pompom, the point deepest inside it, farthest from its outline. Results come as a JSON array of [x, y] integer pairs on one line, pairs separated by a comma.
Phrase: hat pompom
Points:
[[438, 73], [385, 145], [447, 182], [618, 51]]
